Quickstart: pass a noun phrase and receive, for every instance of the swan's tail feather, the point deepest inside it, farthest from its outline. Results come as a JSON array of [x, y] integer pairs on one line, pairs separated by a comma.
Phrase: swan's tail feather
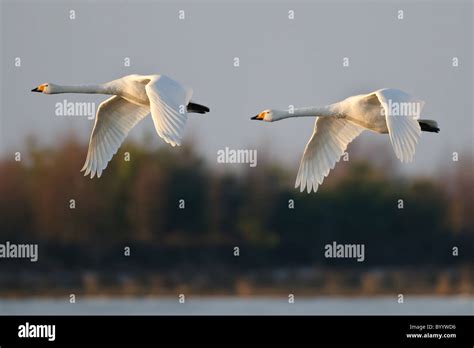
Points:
[[197, 108], [429, 126]]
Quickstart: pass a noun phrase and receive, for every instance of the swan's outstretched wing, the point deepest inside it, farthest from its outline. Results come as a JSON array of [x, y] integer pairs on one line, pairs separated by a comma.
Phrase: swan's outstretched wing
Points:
[[115, 117], [403, 126], [168, 101], [330, 138]]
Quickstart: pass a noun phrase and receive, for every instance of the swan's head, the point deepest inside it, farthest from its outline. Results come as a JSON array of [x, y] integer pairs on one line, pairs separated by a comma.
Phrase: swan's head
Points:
[[265, 115], [46, 88]]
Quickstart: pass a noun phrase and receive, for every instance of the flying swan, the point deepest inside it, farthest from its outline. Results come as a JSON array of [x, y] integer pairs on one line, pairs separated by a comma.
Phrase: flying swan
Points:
[[133, 98], [386, 111]]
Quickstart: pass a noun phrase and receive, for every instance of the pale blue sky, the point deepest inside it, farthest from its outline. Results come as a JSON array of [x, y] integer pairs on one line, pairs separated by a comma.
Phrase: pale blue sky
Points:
[[283, 62]]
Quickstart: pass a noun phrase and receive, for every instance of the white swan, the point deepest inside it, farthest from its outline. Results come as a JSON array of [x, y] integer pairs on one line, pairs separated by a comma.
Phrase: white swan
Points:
[[384, 111], [133, 98]]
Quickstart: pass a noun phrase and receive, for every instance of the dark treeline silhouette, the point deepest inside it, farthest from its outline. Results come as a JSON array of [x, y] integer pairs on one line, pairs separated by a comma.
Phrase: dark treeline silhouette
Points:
[[139, 204]]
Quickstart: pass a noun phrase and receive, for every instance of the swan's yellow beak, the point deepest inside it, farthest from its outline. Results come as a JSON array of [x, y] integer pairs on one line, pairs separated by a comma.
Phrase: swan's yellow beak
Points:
[[259, 117], [40, 89]]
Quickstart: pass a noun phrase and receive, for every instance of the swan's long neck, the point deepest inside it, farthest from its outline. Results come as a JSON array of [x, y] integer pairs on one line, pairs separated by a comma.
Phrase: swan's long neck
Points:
[[311, 111], [90, 89]]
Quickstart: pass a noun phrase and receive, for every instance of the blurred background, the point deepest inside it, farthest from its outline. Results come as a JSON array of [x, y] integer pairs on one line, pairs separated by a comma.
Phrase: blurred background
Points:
[[191, 251]]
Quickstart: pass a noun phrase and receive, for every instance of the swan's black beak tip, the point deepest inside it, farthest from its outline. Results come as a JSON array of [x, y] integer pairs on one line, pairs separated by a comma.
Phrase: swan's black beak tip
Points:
[[35, 90], [254, 118]]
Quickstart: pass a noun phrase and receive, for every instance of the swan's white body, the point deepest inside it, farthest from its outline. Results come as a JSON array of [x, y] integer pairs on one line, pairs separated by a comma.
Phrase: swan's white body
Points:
[[133, 98], [339, 123]]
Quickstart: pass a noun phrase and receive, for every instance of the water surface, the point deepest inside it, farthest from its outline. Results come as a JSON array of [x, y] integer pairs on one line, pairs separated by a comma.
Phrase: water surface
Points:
[[241, 306]]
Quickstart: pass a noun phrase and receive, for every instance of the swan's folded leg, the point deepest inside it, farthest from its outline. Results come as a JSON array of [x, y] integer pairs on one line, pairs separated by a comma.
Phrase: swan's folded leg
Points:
[[429, 126], [330, 138], [197, 108]]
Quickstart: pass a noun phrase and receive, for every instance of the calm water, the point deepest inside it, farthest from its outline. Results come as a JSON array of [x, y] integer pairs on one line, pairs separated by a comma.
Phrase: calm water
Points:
[[242, 306]]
